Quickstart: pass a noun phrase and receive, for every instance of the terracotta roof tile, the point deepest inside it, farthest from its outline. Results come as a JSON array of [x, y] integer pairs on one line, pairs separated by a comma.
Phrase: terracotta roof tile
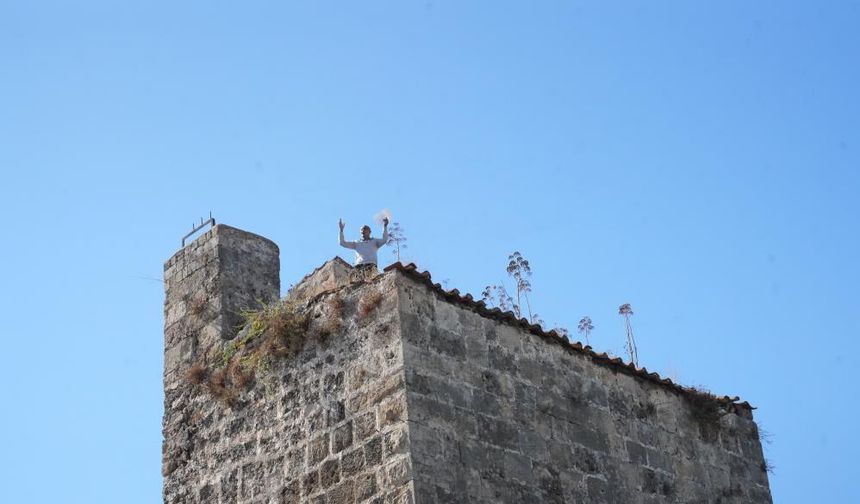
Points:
[[616, 363]]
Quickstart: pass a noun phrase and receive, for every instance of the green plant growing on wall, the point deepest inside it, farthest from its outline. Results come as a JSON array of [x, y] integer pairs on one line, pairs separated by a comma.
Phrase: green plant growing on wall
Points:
[[626, 311], [585, 327], [276, 330], [397, 238]]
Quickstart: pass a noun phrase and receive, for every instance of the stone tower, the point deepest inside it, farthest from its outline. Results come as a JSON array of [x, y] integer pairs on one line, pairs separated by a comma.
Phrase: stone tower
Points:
[[207, 284], [399, 391]]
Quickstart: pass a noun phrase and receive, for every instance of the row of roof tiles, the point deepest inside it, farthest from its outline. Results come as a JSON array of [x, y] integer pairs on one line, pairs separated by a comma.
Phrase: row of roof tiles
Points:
[[453, 295]]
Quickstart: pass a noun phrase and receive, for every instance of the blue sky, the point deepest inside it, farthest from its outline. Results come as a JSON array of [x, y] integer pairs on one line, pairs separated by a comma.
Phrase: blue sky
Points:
[[697, 160]]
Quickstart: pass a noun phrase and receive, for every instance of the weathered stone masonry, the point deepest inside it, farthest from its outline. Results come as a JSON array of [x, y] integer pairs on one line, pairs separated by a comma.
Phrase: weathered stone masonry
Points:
[[430, 398], [499, 412]]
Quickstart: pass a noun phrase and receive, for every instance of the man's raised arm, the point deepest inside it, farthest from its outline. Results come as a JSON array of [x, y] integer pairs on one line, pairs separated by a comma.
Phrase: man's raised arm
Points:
[[344, 243], [382, 241]]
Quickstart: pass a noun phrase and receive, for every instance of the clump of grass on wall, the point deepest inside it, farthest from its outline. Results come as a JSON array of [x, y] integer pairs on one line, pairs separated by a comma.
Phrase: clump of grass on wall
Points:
[[197, 373], [706, 412], [219, 386], [282, 324], [276, 330]]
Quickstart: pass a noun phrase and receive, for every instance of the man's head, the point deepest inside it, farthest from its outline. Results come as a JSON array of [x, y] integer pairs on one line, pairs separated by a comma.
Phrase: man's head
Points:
[[365, 232]]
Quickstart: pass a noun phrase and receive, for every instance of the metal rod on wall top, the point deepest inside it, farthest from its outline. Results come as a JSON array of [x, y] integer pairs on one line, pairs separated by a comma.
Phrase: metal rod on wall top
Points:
[[203, 223]]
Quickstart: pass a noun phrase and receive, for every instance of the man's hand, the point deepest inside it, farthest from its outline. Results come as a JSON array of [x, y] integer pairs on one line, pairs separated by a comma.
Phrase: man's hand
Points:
[[340, 224], [385, 221]]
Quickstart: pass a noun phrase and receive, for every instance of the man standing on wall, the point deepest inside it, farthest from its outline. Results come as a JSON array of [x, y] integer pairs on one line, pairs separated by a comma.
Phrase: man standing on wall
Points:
[[365, 250]]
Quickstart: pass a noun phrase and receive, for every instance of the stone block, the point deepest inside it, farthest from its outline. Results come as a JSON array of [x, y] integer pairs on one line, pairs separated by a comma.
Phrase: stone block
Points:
[[497, 432], [364, 426], [518, 467], [395, 442], [318, 450], [329, 473], [398, 472], [342, 438], [310, 482], [393, 411], [352, 462], [365, 486], [344, 493], [446, 343], [373, 451], [636, 453]]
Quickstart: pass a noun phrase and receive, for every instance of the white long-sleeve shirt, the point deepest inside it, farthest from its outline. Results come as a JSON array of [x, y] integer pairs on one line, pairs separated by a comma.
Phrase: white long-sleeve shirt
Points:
[[365, 250]]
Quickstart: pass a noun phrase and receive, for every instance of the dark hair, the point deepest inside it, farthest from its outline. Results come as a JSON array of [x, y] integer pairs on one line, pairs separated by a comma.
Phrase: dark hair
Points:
[[365, 227]]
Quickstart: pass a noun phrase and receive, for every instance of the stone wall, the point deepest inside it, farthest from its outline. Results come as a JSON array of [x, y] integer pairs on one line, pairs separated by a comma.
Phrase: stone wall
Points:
[[324, 425], [331, 275], [422, 397], [498, 414]]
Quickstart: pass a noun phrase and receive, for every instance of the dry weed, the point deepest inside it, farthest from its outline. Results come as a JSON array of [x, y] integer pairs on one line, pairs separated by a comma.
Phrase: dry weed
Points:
[[368, 303]]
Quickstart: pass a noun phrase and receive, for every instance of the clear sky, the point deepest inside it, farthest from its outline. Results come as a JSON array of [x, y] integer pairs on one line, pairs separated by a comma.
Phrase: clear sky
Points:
[[699, 160]]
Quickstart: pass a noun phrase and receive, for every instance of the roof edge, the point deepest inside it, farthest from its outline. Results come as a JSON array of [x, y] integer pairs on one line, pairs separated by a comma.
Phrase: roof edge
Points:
[[617, 364]]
